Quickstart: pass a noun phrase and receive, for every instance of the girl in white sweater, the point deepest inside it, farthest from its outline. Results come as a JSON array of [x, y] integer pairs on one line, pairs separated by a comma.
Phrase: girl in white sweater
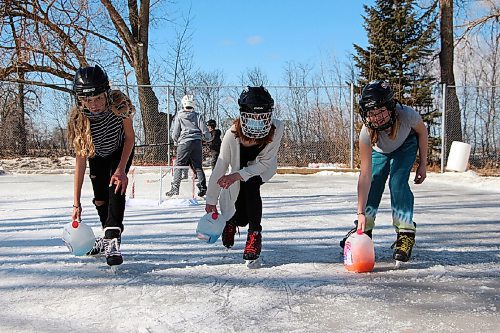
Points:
[[250, 149]]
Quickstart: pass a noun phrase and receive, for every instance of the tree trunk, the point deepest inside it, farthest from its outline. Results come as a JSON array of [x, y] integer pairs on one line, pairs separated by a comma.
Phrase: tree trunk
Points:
[[19, 125], [452, 127], [154, 122]]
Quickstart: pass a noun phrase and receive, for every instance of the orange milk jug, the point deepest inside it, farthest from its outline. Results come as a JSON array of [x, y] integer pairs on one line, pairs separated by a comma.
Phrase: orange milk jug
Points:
[[359, 253]]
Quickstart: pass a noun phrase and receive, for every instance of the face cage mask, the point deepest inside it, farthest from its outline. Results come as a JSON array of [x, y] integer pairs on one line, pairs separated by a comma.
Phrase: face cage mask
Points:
[[255, 125], [389, 123]]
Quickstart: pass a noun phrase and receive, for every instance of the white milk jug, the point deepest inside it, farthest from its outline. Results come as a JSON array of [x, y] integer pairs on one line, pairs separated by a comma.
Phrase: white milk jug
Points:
[[210, 227], [78, 237]]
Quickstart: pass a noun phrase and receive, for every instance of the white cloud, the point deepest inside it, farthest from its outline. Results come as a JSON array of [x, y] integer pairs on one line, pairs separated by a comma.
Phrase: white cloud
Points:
[[254, 40]]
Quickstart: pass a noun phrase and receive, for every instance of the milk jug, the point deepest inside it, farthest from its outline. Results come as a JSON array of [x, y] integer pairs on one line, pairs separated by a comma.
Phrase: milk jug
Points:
[[359, 254], [210, 227], [78, 237]]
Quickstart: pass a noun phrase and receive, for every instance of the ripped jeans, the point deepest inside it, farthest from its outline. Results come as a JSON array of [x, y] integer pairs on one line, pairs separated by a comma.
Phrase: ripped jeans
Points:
[[101, 169], [397, 165]]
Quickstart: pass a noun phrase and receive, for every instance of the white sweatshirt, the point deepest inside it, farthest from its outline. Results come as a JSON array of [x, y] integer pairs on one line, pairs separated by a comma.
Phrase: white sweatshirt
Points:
[[265, 166]]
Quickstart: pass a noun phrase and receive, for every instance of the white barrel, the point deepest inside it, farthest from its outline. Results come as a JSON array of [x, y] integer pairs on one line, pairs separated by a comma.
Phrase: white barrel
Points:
[[458, 159]]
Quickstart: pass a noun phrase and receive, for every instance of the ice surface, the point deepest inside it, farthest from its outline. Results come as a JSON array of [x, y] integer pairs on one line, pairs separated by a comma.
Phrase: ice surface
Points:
[[172, 282]]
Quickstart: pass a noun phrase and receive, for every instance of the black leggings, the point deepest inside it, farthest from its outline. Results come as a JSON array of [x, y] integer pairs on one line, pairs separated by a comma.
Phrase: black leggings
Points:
[[101, 170], [249, 205]]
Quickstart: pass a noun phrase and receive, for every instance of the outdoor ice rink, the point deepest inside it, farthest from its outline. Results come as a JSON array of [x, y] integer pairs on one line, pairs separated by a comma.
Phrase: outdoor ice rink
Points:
[[172, 282]]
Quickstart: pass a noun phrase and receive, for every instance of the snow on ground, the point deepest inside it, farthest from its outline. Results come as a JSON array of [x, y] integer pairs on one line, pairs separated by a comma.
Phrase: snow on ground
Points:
[[172, 282]]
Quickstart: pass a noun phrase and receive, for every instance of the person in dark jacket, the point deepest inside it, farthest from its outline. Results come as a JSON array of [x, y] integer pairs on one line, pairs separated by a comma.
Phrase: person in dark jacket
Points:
[[214, 145]]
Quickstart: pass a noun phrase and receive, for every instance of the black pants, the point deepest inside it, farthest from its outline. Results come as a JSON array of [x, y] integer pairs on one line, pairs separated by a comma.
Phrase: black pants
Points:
[[249, 205], [214, 155], [101, 170]]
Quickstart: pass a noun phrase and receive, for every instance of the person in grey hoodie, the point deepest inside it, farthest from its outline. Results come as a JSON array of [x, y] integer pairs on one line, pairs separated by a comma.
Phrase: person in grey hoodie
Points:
[[188, 131]]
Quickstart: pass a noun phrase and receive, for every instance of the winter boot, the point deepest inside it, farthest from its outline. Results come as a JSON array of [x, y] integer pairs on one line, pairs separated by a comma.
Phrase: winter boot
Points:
[[403, 246], [353, 230], [173, 191], [253, 246], [112, 242], [202, 192], [228, 235]]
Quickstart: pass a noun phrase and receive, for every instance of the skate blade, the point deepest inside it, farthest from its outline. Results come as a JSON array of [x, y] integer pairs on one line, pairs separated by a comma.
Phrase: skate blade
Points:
[[399, 264], [254, 264], [115, 269]]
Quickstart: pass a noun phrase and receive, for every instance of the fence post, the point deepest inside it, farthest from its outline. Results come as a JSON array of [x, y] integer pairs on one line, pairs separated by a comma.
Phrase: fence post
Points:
[[168, 125], [443, 128], [352, 127]]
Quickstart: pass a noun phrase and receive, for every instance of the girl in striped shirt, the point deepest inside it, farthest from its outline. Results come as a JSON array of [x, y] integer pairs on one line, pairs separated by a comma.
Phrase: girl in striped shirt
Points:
[[101, 131]]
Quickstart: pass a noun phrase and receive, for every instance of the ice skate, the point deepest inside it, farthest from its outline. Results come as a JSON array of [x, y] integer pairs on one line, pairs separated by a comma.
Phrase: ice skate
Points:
[[112, 251], [353, 230], [403, 247], [254, 264], [228, 235], [252, 249], [98, 248]]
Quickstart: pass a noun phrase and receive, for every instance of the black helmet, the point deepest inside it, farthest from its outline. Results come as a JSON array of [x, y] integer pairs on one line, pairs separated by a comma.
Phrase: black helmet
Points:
[[212, 123], [90, 81], [375, 95], [255, 100], [256, 108]]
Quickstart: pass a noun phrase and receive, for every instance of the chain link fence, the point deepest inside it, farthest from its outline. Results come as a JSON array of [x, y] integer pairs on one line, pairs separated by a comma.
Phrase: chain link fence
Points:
[[317, 121], [320, 122], [471, 115]]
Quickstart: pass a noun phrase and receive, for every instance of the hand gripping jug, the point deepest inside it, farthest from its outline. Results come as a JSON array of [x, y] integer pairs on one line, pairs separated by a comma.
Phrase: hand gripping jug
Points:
[[210, 227], [359, 254], [78, 237]]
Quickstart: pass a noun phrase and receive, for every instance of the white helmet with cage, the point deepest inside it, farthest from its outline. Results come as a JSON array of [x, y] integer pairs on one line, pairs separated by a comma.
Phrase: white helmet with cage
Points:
[[187, 102]]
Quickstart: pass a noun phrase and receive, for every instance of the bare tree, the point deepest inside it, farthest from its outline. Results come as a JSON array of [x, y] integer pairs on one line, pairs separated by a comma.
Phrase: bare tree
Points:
[[181, 62], [492, 15], [60, 35], [254, 77]]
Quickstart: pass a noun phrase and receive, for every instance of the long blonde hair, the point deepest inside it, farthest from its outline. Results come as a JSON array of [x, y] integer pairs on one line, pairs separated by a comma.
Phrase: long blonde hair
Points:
[[79, 133], [392, 134]]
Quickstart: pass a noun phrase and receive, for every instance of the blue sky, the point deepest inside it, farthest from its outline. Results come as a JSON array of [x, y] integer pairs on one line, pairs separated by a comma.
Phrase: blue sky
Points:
[[233, 36]]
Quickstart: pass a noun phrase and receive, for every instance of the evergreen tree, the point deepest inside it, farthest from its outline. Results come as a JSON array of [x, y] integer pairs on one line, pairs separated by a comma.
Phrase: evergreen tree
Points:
[[401, 44]]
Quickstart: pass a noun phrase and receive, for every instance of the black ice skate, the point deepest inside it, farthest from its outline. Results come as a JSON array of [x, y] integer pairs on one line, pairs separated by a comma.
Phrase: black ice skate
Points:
[[353, 230], [112, 251], [228, 235], [112, 240], [403, 246], [253, 245], [98, 247]]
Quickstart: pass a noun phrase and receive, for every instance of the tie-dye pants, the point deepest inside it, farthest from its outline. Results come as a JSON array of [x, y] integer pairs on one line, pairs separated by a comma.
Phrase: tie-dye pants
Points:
[[397, 166]]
